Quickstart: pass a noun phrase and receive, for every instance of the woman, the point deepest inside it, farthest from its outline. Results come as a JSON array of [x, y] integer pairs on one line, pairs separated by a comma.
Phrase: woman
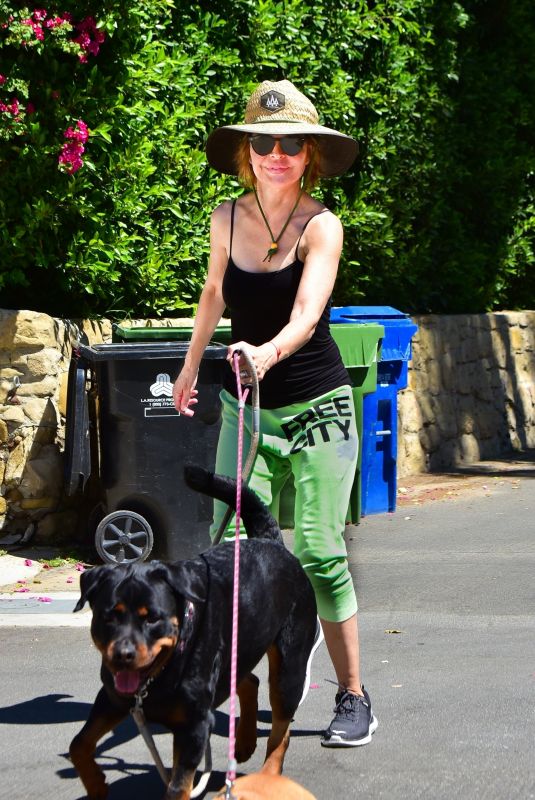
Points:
[[273, 262]]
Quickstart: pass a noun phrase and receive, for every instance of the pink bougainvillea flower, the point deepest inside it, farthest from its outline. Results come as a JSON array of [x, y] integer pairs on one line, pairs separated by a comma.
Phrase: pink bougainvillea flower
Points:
[[39, 14], [79, 134], [84, 40], [83, 131], [36, 28], [70, 157], [87, 24], [89, 38], [70, 151], [56, 22], [30, 108], [3, 79]]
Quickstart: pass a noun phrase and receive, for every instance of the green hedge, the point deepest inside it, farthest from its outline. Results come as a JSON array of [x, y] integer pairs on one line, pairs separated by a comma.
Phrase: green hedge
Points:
[[439, 211]]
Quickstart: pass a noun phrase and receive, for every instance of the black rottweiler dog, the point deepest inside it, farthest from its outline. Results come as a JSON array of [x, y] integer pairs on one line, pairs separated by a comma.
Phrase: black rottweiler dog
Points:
[[164, 631]]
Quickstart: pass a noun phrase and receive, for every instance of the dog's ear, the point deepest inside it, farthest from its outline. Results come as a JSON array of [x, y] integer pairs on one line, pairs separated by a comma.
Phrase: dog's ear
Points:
[[90, 580], [186, 578]]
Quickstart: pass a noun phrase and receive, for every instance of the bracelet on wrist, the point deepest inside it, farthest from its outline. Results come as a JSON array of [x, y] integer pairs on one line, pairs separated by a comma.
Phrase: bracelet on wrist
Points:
[[277, 349]]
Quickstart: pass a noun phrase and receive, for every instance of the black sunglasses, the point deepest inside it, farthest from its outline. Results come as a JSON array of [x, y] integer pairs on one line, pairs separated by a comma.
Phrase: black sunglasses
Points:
[[263, 144]]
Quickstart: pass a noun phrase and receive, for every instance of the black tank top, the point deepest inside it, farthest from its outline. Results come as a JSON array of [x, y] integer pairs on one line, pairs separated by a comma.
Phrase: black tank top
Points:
[[260, 304]]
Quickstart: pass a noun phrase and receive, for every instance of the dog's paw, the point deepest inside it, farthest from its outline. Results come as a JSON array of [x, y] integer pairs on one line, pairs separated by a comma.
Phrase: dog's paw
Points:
[[97, 789], [245, 749], [102, 794]]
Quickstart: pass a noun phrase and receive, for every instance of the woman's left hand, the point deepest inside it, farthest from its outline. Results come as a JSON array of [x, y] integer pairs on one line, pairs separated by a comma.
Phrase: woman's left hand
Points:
[[263, 357]]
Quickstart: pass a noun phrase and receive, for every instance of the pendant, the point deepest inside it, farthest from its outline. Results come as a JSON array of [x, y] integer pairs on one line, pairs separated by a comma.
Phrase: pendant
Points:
[[272, 250]]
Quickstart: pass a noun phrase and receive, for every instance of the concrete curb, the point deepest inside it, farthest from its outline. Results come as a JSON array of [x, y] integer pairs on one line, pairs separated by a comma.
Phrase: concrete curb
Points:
[[38, 609]]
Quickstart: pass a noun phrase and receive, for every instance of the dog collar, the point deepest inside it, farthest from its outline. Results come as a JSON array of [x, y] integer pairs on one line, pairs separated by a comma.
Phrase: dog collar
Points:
[[185, 634]]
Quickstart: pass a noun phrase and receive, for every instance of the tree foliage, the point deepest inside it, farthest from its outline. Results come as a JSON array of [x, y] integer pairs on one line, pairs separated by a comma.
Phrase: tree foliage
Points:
[[439, 211]]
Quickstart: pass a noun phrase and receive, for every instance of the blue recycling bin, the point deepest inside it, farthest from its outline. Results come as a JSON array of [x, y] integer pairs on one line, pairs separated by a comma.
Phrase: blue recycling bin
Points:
[[379, 425]]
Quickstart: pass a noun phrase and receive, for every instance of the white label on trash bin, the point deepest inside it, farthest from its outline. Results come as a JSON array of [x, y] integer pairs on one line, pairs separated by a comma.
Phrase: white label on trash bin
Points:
[[165, 411], [162, 386], [161, 403]]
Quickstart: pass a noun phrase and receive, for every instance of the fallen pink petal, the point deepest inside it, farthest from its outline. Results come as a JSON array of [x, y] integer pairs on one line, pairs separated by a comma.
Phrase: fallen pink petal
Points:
[[22, 589], [44, 599], [70, 580], [80, 568], [28, 562]]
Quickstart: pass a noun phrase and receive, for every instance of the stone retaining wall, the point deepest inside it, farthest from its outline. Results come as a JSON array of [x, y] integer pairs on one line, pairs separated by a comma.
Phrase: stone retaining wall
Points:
[[35, 351], [471, 395], [471, 392]]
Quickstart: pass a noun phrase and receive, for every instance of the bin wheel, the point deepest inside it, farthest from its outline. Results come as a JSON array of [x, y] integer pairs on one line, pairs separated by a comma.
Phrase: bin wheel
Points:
[[124, 537]]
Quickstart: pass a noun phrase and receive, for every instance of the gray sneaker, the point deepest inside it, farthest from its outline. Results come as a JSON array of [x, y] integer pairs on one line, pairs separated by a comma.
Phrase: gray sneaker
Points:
[[353, 723]]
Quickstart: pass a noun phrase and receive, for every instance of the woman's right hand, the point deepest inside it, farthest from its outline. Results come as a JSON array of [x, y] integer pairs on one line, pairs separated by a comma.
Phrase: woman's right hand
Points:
[[185, 393]]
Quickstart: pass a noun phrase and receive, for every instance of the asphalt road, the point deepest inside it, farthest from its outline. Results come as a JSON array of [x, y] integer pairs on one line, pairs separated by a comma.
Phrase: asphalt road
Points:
[[447, 617]]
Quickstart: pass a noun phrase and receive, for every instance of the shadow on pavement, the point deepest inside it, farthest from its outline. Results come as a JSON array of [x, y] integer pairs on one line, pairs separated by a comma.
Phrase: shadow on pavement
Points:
[[519, 465], [45, 710]]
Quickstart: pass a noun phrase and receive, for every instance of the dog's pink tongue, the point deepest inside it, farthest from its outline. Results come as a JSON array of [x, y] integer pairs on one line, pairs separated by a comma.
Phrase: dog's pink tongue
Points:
[[127, 681]]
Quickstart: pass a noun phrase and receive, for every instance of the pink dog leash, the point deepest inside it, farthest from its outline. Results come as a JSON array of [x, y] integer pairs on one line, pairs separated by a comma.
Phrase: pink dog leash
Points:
[[231, 769], [255, 432]]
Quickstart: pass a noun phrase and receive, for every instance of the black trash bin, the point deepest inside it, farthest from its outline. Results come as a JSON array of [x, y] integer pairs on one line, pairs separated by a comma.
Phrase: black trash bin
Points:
[[143, 444]]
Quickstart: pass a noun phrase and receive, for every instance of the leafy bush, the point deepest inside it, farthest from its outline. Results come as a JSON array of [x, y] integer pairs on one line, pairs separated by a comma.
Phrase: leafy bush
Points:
[[438, 213]]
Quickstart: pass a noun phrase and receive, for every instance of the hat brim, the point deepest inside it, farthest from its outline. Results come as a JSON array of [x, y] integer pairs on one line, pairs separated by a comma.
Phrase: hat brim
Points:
[[337, 151]]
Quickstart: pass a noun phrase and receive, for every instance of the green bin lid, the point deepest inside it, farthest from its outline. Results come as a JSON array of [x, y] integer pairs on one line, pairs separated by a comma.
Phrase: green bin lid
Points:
[[182, 333], [358, 344]]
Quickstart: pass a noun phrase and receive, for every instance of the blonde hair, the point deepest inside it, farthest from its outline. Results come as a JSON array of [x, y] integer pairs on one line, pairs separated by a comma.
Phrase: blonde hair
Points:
[[247, 178]]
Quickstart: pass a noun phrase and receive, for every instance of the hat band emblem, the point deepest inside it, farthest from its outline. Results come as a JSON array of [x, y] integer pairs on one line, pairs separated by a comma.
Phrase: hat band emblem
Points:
[[272, 101]]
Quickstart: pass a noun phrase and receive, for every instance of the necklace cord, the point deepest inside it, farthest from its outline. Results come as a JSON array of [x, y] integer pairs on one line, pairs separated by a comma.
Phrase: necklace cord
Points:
[[275, 240]]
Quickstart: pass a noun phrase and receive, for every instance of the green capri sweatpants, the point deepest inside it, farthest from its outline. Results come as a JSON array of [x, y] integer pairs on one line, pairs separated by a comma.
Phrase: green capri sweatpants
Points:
[[317, 442]]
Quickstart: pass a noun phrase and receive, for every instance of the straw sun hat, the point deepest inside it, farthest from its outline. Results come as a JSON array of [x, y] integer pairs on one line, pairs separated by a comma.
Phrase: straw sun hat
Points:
[[279, 108]]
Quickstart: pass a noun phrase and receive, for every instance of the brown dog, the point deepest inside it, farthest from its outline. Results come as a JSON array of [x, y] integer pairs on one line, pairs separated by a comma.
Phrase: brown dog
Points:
[[261, 786]]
